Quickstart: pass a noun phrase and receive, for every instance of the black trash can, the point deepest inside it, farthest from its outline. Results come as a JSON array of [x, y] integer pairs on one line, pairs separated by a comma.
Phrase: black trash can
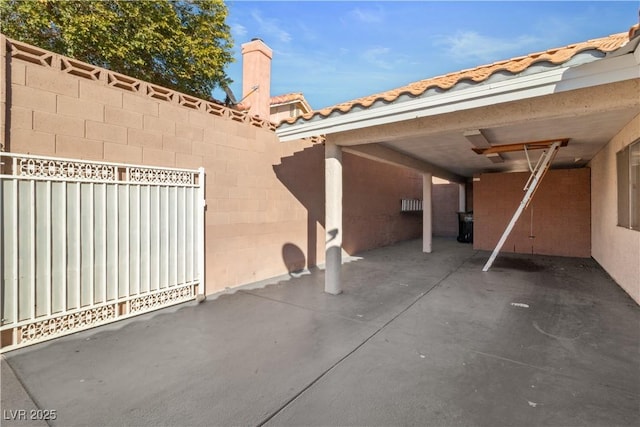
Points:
[[465, 227]]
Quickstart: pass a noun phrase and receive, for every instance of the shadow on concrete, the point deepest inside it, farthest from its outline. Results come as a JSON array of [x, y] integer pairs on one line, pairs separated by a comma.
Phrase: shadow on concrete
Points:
[[293, 258], [303, 175]]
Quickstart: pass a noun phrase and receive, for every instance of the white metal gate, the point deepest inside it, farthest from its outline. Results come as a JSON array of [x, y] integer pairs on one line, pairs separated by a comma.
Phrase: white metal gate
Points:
[[87, 243]]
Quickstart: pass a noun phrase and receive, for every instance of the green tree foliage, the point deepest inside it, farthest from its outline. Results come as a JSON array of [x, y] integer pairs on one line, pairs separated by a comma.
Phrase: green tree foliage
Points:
[[183, 45]]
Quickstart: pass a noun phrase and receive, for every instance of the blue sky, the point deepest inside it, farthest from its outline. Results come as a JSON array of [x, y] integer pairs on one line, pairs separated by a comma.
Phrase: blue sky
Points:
[[335, 51]]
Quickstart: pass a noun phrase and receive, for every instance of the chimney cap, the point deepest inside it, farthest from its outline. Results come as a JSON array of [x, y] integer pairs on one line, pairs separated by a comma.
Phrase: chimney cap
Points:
[[257, 45]]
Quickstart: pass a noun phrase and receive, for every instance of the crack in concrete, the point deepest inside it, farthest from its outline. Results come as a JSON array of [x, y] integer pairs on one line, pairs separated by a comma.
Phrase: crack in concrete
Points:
[[359, 346]]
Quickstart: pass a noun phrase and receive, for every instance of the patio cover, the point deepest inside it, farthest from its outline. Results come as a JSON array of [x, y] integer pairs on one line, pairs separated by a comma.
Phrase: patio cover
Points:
[[585, 92]]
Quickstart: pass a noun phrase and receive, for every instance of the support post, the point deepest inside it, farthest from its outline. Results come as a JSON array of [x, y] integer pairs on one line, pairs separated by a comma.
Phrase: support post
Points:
[[426, 212], [333, 217], [462, 197]]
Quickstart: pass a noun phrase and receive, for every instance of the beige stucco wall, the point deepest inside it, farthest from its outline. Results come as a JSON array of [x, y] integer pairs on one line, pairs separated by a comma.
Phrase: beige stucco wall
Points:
[[372, 193], [445, 199], [265, 199], [615, 248], [542, 228], [286, 111], [280, 113]]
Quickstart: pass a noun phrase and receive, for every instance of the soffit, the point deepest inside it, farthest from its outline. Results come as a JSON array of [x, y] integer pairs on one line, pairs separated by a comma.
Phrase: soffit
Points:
[[452, 151]]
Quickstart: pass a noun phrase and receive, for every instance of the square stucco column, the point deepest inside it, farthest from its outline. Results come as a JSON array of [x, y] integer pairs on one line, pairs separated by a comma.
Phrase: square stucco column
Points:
[[256, 77], [333, 217], [462, 198], [426, 213]]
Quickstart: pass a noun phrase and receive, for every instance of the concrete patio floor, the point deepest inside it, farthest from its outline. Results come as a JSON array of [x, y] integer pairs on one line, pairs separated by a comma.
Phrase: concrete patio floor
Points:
[[415, 339]]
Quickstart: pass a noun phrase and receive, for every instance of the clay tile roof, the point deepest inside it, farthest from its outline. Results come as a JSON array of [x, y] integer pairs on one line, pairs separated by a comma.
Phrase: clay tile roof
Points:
[[514, 65], [289, 97]]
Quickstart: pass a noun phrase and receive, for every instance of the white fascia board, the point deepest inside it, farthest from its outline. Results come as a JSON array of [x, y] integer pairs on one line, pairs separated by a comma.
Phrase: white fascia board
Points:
[[283, 103], [604, 71]]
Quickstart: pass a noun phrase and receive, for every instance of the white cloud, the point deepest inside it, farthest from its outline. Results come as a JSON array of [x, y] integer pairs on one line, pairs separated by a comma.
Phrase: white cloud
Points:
[[271, 27], [306, 32], [238, 30], [368, 16], [378, 56], [465, 45]]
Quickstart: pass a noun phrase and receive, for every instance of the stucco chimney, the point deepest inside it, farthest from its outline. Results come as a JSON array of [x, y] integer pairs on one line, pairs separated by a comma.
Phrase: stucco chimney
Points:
[[256, 77]]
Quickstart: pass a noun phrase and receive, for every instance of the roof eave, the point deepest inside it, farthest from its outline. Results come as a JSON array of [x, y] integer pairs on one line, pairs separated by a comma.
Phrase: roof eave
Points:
[[561, 79], [305, 105]]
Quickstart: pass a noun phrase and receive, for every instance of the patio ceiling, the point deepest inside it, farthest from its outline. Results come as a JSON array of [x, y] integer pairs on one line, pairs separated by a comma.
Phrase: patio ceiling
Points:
[[452, 151]]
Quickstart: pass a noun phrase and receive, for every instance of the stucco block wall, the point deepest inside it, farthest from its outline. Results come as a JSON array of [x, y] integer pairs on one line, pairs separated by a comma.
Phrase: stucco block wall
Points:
[[372, 196], [615, 248], [445, 204], [558, 216], [265, 199]]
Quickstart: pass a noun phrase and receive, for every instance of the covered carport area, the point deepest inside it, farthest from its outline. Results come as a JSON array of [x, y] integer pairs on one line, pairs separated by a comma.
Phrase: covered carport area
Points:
[[584, 95]]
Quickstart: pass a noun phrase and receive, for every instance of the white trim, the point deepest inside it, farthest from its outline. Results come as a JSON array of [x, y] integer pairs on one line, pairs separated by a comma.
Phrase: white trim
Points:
[[59, 179], [93, 162], [200, 217], [604, 71], [307, 108]]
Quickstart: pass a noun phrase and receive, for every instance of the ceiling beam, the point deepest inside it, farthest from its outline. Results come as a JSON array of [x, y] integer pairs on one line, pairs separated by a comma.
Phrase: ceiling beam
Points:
[[495, 157], [383, 154], [477, 138], [520, 146]]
